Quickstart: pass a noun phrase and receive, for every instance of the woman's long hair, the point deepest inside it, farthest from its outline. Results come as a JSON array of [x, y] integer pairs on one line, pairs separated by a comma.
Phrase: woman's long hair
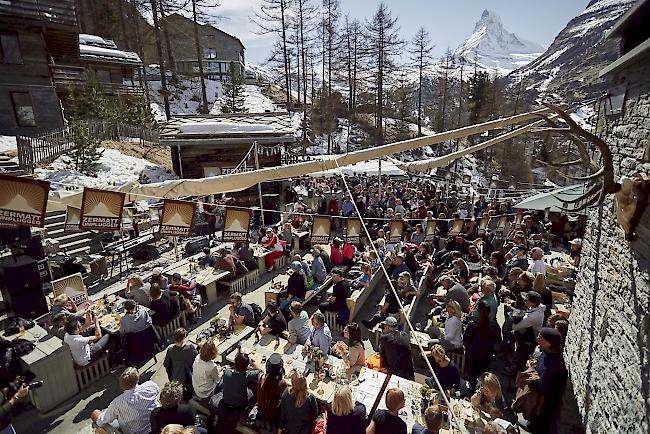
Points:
[[484, 322], [298, 389], [268, 399]]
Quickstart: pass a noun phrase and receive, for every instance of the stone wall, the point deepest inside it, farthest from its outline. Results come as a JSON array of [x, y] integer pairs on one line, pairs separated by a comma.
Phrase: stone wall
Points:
[[607, 345]]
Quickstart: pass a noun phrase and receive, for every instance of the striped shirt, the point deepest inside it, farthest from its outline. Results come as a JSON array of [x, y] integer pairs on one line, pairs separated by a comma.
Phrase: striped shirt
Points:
[[132, 409]]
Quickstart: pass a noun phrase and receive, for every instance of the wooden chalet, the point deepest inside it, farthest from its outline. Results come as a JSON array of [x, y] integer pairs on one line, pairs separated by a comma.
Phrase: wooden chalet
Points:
[[32, 32], [209, 145]]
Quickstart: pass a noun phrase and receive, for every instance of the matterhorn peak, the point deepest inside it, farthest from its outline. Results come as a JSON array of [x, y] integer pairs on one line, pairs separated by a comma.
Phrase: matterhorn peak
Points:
[[493, 47]]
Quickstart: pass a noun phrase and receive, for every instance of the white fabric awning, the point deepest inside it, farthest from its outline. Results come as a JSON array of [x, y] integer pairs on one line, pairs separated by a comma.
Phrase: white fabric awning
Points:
[[556, 200]]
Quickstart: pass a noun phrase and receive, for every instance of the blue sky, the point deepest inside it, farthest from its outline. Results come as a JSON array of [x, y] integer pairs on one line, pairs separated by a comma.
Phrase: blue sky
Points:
[[448, 21]]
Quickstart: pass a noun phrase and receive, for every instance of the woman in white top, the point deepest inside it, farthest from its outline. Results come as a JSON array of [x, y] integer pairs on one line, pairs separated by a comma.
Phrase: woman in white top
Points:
[[205, 371], [451, 338]]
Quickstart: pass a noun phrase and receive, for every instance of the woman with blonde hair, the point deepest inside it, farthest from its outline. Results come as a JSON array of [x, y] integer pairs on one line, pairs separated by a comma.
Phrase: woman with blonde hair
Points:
[[298, 407], [344, 416], [488, 397], [174, 428], [539, 286], [451, 338]]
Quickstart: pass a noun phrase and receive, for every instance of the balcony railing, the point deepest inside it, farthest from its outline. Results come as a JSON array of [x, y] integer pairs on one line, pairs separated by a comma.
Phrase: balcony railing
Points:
[[70, 76]]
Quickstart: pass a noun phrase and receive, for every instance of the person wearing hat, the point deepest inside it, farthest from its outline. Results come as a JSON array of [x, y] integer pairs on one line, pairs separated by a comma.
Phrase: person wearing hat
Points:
[[337, 302], [398, 266], [157, 277], [395, 350], [271, 386], [552, 378], [274, 322], [527, 328], [574, 253], [135, 319], [270, 241]]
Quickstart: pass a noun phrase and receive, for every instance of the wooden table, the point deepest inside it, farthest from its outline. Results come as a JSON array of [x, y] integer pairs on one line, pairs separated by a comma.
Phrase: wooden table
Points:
[[110, 322], [50, 361], [225, 345], [260, 253], [294, 359], [207, 277]]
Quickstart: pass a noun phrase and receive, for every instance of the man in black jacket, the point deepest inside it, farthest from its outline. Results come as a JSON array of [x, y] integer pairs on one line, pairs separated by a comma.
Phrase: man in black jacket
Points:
[[395, 350]]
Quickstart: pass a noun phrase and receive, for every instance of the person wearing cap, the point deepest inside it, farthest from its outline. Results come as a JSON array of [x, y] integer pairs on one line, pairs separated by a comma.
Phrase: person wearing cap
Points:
[[574, 253], [527, 328], [398, 266], [274, 322], [157, 277], [270, 241], [135, 318], [552, 378], [337, 302], [538, 265], [395, 350]]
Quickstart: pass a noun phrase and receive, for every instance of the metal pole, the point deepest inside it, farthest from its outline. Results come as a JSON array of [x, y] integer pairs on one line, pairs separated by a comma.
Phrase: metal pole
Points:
[[380, 189], [259, 184]]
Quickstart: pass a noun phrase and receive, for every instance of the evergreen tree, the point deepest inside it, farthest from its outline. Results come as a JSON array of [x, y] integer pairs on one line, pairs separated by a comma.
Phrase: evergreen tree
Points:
[[233, 100], [403, 115], [86, 155]]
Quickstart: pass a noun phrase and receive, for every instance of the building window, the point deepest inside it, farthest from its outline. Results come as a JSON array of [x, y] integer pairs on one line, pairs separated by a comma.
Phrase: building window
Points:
[[23, 109], [209, 53], [103, 75], [10, 49]]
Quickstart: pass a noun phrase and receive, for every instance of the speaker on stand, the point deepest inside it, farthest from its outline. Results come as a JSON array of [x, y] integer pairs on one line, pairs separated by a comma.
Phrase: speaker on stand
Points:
[[22, 287]]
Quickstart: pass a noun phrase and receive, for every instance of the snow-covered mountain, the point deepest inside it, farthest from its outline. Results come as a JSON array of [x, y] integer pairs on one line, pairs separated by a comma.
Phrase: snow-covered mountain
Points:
[[568, 70], [496, 48]]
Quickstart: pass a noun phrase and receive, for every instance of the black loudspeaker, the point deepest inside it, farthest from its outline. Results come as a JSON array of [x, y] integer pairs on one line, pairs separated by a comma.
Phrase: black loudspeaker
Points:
[[271, 202], [21, 286], [146, 253], [10, 236], [196, 244], [20, 274], [35, 247]]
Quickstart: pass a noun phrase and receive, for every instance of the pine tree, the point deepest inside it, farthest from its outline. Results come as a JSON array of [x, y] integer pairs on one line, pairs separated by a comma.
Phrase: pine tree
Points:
[[421, 57], [233, 100], [86, 155], [403, 114]]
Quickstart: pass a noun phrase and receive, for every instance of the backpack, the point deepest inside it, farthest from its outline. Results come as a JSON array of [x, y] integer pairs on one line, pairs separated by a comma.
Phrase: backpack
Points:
[[257, 312]]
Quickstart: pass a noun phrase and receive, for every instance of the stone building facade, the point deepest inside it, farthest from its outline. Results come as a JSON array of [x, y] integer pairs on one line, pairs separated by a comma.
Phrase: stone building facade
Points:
[[607, 345]]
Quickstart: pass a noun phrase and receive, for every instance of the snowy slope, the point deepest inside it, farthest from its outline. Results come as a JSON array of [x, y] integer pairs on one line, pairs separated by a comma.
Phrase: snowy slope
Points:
[[254, 100], [495, 47], [569, 69], [185, 96], [115, 169]]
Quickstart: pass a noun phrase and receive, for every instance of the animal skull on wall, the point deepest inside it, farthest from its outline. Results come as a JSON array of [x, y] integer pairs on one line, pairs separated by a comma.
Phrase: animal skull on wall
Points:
[[632, 200], [631, 193]]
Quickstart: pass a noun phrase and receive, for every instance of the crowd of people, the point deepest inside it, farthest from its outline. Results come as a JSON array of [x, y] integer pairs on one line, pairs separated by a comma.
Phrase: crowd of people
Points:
[[466, 276]]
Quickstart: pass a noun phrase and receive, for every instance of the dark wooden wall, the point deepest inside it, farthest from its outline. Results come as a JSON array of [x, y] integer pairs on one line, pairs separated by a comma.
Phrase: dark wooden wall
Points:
[[32, 76], [195, 157]]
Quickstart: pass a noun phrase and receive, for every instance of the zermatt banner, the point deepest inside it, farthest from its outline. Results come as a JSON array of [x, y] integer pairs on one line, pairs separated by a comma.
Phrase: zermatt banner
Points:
[[396, 230], [177, 218], [320, 230], [101, 210], [353, 231], [236, 224], [430, 230], [72, 219], [23, 200]]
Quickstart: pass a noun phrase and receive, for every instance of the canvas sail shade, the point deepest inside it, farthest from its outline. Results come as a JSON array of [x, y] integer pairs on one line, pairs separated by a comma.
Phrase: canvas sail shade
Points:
[[177, 218], [236, 224], [23, 201], [101, 210], [320, 230]]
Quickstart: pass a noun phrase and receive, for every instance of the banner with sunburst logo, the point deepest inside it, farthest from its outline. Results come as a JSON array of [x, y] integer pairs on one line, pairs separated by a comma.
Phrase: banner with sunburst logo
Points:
[[177, 218], [353, 231], [72, 219], [237, 222], [320, 230], [101, 210], [430, 230], [396, 230], [72, 286], [457, 227], [23, 200]]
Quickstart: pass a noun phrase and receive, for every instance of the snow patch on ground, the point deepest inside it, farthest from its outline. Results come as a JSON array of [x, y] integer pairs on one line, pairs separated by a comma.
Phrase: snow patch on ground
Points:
[[185, 97], [7, 144], [115, 169], [254, 100], [593, 23]]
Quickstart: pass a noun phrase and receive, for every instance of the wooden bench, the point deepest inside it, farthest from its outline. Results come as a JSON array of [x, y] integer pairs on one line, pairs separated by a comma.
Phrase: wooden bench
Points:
[[458, 357], [330, 319], [237, 284], [280, 262], [87, 375], [167, 330]]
